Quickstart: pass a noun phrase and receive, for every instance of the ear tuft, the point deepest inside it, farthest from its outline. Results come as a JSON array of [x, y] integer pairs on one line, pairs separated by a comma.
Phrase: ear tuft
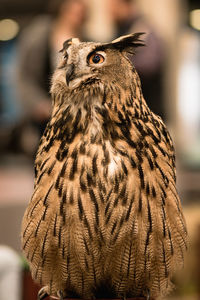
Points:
[[129, 42], [69, 42], [126, 43]]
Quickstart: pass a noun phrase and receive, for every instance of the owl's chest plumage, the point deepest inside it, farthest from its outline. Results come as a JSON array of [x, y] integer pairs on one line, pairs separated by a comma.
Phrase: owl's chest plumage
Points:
[[86, 178], [103, 201]]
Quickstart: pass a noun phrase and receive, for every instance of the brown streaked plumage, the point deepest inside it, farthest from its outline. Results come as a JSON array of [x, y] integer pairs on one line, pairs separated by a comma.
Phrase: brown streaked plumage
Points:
[[105, 218]]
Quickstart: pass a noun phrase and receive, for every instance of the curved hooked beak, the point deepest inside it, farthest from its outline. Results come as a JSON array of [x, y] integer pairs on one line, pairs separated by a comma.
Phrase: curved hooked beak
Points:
[[69, 73]]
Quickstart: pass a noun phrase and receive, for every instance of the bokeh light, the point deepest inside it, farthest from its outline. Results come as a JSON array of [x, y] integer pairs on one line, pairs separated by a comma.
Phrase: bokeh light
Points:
[[8, 29], [195, 19]]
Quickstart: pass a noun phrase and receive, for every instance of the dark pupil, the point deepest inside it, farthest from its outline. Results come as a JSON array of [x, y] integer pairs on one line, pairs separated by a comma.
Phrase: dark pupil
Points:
[[96, 59]]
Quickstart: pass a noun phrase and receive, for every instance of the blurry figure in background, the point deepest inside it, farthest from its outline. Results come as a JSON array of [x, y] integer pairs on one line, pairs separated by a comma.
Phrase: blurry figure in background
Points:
[[39, 45], [10, 274], [148, 61]]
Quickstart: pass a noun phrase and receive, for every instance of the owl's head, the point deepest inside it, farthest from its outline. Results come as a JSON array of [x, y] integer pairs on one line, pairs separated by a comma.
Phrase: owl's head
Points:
[[85, 66]]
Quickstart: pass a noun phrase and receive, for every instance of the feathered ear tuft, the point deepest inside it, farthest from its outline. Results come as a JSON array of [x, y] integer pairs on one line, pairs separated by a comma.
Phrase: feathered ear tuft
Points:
[[129, 42], [69, 42], [126, 43]]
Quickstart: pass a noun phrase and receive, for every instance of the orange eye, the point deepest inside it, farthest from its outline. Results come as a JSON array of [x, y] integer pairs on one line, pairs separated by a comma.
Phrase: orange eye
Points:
[[96, 58]]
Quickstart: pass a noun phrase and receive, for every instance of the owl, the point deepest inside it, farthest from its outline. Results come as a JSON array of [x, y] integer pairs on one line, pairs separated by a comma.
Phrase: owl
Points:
[[105, 219]]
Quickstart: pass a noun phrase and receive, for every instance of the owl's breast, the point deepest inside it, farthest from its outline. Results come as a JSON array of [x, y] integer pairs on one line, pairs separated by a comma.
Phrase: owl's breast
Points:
[[113, 165]]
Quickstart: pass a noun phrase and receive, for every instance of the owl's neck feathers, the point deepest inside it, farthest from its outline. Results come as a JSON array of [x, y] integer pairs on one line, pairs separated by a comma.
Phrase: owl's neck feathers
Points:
[[98, 111]]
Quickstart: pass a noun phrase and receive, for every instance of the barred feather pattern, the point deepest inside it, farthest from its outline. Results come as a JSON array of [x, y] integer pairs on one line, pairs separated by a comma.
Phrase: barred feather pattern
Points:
[[105, 210]]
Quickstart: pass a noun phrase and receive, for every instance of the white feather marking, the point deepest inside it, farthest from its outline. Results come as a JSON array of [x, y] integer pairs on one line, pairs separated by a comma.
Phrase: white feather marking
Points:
[[114, 165]]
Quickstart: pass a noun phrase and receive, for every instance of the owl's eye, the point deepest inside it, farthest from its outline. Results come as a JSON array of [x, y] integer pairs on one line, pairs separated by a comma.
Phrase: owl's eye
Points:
[[96, 58]]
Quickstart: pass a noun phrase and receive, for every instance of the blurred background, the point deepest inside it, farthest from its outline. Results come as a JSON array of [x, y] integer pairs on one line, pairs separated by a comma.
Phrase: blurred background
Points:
[[31, 34]]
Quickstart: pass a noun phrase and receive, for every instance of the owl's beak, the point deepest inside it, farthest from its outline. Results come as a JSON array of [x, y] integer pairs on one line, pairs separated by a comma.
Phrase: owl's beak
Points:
[[69, 72]]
